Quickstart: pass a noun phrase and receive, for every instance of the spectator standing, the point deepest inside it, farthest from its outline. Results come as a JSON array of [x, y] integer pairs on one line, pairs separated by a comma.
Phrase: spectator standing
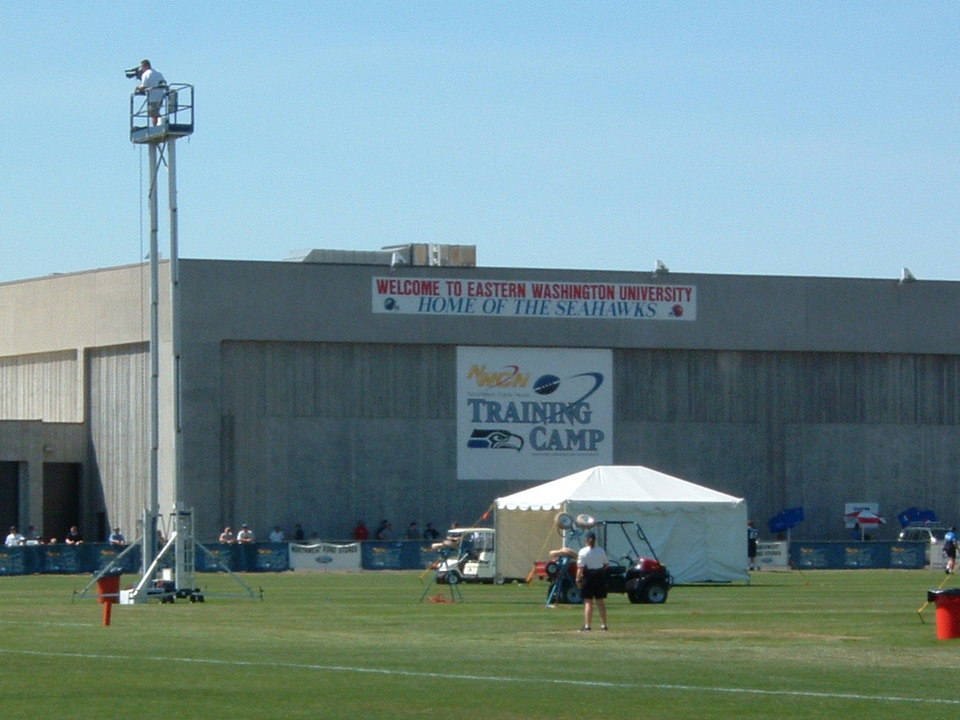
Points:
[[14, 539], [116, 537], [227, 537], [430, 532], [298, 534], [753, 535], [361, 532], [413, 531], [245, 535], [383, 530], [276, 535]]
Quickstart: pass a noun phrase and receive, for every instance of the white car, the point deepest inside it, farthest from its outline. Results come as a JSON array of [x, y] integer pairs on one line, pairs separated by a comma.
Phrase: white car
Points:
[[923, 533], [932, 536]]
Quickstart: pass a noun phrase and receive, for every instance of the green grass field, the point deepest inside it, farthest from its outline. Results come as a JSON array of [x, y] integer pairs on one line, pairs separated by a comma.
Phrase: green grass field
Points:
[[817, 644]]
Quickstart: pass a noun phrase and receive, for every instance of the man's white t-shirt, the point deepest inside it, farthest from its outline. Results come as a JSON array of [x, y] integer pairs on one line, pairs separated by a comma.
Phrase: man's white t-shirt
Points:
[[592, 558], [152, 80]]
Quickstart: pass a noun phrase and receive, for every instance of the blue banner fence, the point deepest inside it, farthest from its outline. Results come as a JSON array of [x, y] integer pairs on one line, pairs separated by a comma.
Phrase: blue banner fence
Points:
[[404, 555], [252, 557]]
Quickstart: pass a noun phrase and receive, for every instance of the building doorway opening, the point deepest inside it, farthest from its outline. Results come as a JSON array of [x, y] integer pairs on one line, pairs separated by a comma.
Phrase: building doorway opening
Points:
[[61, 498], [9, 495]]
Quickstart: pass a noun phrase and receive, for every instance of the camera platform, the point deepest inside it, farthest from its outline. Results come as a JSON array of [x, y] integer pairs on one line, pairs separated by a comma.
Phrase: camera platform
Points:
[[168, 119], [159, 133]]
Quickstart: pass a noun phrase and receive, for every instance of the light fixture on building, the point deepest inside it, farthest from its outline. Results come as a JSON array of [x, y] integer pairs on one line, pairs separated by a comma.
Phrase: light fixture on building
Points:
[[906, 276]]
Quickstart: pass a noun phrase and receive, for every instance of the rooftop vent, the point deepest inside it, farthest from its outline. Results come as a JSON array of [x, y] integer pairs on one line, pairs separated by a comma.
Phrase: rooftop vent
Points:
[[414, 254]]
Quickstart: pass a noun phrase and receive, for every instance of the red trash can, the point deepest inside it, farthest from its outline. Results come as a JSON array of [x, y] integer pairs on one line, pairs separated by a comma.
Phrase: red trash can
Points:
[[108, 589], [948, 612], [108, 592]]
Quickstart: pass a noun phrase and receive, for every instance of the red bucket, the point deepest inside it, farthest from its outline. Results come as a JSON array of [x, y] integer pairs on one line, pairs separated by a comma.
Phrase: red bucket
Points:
[[948, 612], [108, 589]]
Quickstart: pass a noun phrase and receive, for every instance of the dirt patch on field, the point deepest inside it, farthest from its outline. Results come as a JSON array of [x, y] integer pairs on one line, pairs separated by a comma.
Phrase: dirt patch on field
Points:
[[739, 633]]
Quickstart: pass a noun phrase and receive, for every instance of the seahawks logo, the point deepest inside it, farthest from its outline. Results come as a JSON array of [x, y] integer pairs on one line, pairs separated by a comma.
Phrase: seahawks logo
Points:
[[495, 440]]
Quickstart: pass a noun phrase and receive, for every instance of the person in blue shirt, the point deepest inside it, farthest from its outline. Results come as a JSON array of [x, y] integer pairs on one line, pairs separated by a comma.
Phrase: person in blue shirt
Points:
[[753, 535], [950, 549]]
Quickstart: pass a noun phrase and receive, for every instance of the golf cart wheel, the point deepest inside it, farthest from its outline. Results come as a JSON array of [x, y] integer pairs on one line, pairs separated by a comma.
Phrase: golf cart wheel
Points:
[[453, 578], [552, 568], [564, 594], [654, 592], [499, 579]]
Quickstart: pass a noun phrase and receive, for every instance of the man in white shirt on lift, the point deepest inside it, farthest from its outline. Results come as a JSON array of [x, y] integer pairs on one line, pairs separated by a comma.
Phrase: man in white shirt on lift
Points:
[[154, 87]]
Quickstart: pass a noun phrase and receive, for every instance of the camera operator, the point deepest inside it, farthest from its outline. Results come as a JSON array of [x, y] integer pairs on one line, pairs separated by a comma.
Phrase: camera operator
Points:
[[154, 87]]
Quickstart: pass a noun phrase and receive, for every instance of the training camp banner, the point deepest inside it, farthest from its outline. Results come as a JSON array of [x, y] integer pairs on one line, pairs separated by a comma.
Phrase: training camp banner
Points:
[[530, 299], [532, 413]]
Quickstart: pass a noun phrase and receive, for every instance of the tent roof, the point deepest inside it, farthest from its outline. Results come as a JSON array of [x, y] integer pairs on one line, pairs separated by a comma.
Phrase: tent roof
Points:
[[612, 483]]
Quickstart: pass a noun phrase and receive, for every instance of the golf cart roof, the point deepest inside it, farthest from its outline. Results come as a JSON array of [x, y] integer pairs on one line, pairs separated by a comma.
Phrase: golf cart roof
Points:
[[460, 530]]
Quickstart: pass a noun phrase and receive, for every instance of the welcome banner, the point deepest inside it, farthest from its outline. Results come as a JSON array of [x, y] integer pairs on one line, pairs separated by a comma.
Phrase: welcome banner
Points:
[[529, 299]]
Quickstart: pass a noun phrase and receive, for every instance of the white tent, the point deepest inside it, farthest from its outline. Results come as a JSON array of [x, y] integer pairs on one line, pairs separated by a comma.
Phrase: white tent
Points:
[[698, 533]]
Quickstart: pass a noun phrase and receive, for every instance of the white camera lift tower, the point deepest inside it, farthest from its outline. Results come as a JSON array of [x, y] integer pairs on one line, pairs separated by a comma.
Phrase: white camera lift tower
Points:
[[159, 126]]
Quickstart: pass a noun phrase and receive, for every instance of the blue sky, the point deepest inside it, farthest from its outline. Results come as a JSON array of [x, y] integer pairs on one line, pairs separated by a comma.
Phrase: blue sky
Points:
[[772, 138]]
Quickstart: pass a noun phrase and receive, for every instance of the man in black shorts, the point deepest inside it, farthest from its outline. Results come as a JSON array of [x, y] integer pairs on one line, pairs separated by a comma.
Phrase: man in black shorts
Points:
[[592, 564]]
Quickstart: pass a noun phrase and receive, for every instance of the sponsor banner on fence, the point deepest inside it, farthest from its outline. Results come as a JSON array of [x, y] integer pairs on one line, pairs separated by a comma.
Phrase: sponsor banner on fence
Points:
[[773, 555], [215, 558], [12, 562], [532, 413], [936, 559], [64, 559], [854, 555], [908, 555], [271, 556], [130, 563], [534, 299], [325, 556], [243, 557]]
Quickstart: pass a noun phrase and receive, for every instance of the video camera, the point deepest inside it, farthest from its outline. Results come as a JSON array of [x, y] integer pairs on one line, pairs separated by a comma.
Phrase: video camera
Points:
[[133, 72]]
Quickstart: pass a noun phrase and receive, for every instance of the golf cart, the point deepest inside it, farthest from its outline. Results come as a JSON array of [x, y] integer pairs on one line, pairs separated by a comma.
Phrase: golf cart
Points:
[[642, 579], [467, 555]]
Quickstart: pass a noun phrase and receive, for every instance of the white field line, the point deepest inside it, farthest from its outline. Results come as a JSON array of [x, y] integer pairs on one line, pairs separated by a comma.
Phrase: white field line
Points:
[[491, 678], [43, 623]]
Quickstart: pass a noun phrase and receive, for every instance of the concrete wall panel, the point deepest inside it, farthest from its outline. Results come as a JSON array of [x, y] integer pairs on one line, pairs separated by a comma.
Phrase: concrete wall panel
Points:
[[119, 421], [41, 386], [898, 466]]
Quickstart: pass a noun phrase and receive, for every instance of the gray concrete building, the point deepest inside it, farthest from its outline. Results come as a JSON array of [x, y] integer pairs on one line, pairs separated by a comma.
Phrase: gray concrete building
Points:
[[334, 388]]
